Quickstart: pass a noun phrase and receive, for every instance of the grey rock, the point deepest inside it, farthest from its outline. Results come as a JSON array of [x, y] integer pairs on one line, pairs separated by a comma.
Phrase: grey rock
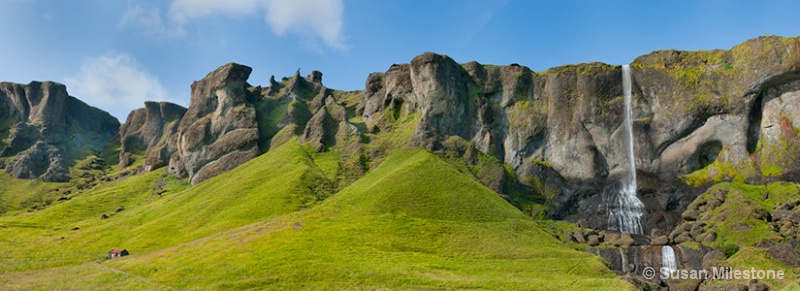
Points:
[[151, 130], [593, 240], [714, 258], [709, 237], [690, 215], [219, 130], [625, 240], [569, 118], [45, 112], [681, 238], [785, 253], [660, 241]]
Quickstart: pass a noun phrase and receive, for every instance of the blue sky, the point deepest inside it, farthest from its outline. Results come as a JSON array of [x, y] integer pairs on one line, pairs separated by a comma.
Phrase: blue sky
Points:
[[117, 54]]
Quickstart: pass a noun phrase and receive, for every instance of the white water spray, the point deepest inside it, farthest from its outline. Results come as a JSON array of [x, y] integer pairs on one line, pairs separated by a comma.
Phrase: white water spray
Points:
[[624, 260], [668, 262], [625, 212]]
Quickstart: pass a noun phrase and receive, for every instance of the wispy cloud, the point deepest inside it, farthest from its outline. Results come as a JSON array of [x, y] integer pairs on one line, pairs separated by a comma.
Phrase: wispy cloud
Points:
[[115, 83], [148, 19], [319, 19], [182, 11]]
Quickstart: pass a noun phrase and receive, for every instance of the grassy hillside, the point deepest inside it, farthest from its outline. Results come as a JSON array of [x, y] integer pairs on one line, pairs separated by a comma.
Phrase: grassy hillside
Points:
[[89, 276], [414, 222], [139, 218]]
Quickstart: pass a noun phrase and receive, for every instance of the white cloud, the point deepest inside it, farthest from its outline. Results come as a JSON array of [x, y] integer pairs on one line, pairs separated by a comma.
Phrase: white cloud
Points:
[[148, 20], [182, 11], [115, 83], [322, 19]]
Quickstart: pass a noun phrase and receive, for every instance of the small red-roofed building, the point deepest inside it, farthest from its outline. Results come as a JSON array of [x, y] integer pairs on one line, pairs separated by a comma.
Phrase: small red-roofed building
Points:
[[115, 253]]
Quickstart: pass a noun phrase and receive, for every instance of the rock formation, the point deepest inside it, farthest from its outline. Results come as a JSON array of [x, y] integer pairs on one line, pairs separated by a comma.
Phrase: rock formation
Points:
[[150, 131], [691, 110], [699, 117], [219, 130], [50, 130]]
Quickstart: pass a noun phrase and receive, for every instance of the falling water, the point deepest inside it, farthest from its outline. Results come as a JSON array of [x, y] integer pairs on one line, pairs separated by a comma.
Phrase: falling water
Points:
[[624, 260], [668, 262], [625, 212]]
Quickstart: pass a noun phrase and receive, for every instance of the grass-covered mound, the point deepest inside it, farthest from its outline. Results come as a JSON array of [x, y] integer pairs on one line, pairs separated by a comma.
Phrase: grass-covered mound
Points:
[[141, 217], [414, 222]]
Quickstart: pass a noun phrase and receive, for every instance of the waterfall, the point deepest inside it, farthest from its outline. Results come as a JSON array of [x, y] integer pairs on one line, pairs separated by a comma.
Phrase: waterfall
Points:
[[668, 262], [625, 212]]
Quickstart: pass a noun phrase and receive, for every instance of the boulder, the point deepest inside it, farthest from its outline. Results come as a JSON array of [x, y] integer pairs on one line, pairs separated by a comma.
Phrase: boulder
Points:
[[754, 285], [578, 236], [709, 237], [715, 258], [625, 240], [593, 240], [660, 241], [697, 230], [785, 253], [681, 238], [690, 215]]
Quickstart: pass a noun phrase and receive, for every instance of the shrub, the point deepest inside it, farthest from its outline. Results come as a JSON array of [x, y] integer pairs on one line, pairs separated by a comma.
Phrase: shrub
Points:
[[730, 249]]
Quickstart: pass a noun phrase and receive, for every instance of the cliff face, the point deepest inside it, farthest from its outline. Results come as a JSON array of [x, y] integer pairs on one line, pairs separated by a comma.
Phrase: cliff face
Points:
[[150, 131], [229, 122], [726, 112], [699, 117], [219, 130], [48, 129]]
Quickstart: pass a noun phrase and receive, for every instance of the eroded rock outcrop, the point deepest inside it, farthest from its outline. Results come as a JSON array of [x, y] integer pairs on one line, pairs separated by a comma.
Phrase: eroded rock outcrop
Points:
[[219, 130], [719, 110], [50, 130], [150, 131]]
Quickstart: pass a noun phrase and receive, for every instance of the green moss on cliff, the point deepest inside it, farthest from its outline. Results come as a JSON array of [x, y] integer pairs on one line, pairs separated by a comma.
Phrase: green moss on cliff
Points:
[[270, 114], [543, 163], [717, 172], [526, 114], [6, 124], [740, 221], [594, 68]]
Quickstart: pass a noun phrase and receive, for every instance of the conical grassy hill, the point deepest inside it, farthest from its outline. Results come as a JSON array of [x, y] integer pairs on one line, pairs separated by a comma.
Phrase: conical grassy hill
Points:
[[413, 222]]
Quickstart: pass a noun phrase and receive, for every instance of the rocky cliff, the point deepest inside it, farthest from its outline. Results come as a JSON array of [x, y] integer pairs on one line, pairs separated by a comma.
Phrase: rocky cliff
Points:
[[151, 132], [46, 130], [229, 122], [700, 117], [219, 130], [727, 113]]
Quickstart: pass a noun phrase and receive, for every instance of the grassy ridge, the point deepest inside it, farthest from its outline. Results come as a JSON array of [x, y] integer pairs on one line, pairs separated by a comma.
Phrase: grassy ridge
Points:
[[415, 222], [269, 185]]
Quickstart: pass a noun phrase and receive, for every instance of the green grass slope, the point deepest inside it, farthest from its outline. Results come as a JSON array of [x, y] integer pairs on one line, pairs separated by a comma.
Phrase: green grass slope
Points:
[[413, 223], [281, 181], [89, 276]]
